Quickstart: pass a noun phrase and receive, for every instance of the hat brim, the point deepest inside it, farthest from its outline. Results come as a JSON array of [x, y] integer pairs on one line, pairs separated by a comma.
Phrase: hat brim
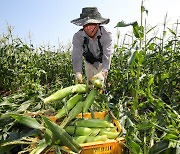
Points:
[[87, 20]]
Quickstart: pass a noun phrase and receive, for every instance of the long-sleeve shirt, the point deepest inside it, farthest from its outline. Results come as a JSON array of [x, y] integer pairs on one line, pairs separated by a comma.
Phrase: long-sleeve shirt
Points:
[[106, 42]]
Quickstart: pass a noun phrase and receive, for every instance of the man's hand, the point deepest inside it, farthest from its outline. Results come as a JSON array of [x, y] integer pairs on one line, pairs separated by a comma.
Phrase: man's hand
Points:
[[99, 76], [79, 77], [104, 73], [102, 77]]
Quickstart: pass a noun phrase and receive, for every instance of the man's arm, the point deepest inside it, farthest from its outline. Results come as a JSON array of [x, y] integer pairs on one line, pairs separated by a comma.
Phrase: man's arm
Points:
[[107, 52], [77, 53]]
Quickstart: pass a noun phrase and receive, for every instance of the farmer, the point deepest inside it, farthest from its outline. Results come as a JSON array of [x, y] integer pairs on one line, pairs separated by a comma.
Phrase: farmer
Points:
[[94, 43]]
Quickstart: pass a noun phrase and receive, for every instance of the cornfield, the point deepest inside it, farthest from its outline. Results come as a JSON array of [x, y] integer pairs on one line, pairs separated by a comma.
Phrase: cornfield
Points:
[[142, 90]]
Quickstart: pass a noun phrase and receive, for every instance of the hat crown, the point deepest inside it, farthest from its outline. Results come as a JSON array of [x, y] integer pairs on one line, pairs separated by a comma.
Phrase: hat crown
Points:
[[90, 15], [91, 12]]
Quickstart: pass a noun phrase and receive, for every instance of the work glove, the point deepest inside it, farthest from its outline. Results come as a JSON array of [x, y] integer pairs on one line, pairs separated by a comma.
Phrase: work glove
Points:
[[101, 76], [79, 77]]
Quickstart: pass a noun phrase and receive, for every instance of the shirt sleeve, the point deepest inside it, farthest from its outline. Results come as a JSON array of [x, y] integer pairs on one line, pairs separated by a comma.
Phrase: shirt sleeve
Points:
[[107, 51], [77, 53]]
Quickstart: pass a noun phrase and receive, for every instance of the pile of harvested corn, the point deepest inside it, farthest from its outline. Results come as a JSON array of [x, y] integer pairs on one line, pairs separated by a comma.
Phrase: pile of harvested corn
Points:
[[82, 130], [71, 131], [92, 130]]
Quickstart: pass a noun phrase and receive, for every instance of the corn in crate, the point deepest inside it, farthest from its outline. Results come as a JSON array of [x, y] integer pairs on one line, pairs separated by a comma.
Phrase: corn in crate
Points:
[[107, 142], [84, 133]]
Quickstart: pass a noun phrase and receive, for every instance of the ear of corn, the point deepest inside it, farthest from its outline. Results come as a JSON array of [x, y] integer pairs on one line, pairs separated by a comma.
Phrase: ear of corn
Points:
[[80, 139], [73, 113], [78, 131], [110, 135], [96, 138], [60, 94], [89, 100], [95, 131], [112, 129], [60, 134], [70, 104], [94, 123], [80, 88], [97, 82]]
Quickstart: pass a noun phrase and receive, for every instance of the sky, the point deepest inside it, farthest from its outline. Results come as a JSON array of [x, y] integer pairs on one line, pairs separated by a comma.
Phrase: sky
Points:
[[47, 22]]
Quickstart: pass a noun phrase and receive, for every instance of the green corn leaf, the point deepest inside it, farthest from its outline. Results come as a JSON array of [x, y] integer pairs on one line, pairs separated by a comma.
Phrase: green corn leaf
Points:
[[39, 149], [132, 57], [135, 147], [151, 46], [6, 103], [161, 128], [24, 106], [73, 113], [57, 150], [151, 80], [171, 136], [4, 149], [134, 43], [48, 137], [123, 24], [69, 105], [5, 120], [151, 29], [172, 32], [159, 147], [89, 100], [60, 134], [26, 120], [138, 31]]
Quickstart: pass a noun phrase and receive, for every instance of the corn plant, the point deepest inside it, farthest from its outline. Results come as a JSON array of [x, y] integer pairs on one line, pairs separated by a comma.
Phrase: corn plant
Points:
[[143, 99]]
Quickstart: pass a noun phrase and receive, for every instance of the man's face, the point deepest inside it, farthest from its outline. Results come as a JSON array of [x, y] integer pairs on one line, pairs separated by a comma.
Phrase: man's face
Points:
[[91, 29]]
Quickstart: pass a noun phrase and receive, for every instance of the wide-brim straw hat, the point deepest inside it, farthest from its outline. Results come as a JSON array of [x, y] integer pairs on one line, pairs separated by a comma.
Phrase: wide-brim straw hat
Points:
[[90, 15]]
